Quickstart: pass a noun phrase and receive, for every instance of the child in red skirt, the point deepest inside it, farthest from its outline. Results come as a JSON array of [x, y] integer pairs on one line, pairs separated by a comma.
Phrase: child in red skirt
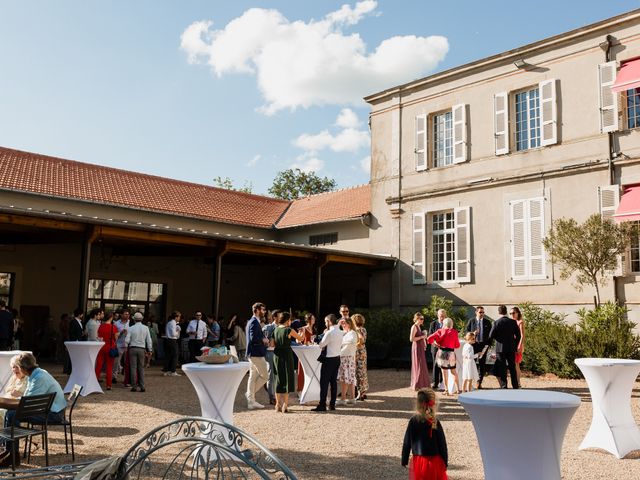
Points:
[[425, 439]]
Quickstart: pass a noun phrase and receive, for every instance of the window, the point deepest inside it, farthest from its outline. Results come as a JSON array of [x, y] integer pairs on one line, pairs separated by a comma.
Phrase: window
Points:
[[323, 239], [7, 281], [138, 296], [441, 246], [442, 140], [528, 260], [633, 108], [634, 253], [527, 110], [533, 113]]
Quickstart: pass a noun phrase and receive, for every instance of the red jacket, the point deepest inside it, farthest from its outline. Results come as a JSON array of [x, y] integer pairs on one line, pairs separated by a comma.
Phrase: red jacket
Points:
[[445, 337]]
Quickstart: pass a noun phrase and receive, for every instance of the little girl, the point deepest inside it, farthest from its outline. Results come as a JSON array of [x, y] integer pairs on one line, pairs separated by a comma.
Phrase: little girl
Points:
[[469, 369], [425, 439]]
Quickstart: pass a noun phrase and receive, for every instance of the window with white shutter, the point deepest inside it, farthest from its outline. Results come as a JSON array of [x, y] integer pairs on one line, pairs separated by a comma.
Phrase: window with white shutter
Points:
[[421, 142], [608, 99], [528, 260], [418, 249], [463, 244], [548, 113], [501, 123], [459, 133], [608, 199]]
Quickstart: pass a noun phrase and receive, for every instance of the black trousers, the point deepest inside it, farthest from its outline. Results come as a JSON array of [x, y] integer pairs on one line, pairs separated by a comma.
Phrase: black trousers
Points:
[[504, 361], [170, 354], [482, 362], [329, 376], [194, 349]]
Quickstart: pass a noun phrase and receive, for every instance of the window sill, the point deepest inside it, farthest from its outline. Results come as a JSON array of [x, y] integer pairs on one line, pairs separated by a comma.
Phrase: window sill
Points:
[[531, 282], [435, 285]]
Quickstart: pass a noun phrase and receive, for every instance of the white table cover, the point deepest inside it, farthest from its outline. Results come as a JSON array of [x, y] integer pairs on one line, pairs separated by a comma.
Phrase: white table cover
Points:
[[83, 366], [308, 356], [216, 386], [5, 366], [610, 382], [520, 432]]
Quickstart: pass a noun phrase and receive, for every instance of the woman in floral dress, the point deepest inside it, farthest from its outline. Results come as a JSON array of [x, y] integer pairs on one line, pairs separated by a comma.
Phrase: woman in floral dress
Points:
[[362, 379]]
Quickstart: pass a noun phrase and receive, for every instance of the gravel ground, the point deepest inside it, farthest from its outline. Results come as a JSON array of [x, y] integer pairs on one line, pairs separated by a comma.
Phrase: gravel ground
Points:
[[361, 442]]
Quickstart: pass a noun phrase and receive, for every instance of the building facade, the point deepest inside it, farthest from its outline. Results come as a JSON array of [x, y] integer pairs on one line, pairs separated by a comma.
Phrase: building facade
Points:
[[471, 166]]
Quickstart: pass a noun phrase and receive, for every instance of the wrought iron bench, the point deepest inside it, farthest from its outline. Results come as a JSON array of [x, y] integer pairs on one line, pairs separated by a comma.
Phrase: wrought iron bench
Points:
[[190, 447]]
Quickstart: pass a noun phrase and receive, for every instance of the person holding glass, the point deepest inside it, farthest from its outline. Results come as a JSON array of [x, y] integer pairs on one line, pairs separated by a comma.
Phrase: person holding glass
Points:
[[283, 360]]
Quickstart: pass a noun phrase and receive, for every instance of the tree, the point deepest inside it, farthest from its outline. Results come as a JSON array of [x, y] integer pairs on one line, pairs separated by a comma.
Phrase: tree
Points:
[[227, 184], [590, 250], [294, 183]]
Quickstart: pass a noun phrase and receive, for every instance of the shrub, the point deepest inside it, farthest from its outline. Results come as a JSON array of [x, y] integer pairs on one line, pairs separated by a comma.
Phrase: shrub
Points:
[[387, 333], [607, 333], [459, 315]]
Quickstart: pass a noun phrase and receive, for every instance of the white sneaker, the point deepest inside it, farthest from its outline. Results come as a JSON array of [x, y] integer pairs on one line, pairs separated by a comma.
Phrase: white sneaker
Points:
[[340, 402], [254, 406], [174, 374], [351, 401]]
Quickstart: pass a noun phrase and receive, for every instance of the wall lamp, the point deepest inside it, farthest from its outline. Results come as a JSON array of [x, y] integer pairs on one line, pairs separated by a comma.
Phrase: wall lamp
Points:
[[521, 64]]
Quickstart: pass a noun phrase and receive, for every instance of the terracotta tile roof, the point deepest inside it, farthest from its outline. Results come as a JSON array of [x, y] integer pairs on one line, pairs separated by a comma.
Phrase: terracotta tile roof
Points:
[[326, 207], [30, 172]]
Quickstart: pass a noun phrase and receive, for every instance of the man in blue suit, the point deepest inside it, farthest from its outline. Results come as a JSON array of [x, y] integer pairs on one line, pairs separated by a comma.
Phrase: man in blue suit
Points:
[[256, 350]]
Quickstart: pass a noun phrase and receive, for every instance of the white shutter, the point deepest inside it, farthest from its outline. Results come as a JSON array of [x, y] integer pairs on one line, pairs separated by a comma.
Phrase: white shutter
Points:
[[501, 122], [608, 199], [548, 113], [418, 249], [608, 99], [462, 221], [459, 114], [421, 142], [518, 240], [536, 261]]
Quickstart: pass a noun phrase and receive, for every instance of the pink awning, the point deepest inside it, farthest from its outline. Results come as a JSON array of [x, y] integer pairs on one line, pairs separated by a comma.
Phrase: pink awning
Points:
[[629, 207], [628, 76]]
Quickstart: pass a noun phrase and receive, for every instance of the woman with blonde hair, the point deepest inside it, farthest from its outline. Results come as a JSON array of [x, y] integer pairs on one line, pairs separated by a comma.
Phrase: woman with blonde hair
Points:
[[362, 379], [446, 339], [347, 370], [419, 369], [425, 440], [16, 385]]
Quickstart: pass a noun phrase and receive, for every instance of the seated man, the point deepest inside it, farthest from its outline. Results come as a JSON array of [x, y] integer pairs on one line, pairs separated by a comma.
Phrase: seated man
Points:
[[39, 382]]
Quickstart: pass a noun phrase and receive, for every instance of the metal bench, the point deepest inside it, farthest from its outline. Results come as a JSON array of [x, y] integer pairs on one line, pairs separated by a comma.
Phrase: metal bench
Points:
[[190, 447]]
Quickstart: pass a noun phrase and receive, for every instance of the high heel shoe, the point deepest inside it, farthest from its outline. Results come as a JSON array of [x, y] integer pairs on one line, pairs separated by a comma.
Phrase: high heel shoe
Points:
[[284, 408], [277, 407]]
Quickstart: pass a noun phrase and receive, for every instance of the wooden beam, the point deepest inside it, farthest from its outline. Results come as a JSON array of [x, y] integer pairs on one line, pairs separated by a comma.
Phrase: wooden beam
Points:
[[154, 237], [354, 260], [252, 249], [29, 221]]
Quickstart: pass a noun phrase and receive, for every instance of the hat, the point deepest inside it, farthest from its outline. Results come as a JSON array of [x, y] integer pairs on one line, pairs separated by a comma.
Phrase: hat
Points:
[[138, 316]]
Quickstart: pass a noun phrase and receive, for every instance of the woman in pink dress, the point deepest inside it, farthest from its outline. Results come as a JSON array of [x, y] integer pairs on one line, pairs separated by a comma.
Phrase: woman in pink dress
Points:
[[419, 370]]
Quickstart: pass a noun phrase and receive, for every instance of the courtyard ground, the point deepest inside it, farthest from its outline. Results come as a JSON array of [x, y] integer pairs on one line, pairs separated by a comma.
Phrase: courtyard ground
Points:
[[361, 442]]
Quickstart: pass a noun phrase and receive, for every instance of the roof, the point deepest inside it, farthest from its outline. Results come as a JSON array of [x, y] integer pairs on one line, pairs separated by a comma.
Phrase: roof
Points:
[[56, 177], [340, 205]]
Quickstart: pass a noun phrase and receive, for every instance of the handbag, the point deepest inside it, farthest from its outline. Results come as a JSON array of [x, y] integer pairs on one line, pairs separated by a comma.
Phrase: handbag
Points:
[[113, 352]]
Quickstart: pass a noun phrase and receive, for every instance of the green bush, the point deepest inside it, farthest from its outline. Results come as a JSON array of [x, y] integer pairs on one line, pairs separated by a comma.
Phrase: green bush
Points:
[[459, 315], [387, 333], [551, 345]]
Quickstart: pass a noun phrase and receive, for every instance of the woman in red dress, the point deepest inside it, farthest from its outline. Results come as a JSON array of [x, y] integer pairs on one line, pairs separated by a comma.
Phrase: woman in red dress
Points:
[[425, 440], [109, 334], [446, 339]]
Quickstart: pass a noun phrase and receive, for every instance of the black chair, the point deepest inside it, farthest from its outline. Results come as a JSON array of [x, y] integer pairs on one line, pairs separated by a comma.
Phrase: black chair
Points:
[[29, 406], [72, 398]]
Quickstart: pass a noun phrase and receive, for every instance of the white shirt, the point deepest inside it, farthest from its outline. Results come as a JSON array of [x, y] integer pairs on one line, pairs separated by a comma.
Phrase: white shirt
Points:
[[92, 329], [172, 330], [197, 329], [120, 325], [348, 347], [138, 336], [333, 341]]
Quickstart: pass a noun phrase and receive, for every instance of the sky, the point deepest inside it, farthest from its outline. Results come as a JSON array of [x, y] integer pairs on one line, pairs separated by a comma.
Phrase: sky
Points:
[[199, 89]]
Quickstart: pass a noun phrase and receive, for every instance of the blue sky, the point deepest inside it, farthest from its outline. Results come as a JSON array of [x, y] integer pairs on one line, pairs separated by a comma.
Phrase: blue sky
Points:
[[241, 89]]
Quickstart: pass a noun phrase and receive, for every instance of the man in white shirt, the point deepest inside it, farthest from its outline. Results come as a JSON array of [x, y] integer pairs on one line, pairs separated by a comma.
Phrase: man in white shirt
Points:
[[172, 335], [138, 342], [122, 325], [332, 341], [197, 330]]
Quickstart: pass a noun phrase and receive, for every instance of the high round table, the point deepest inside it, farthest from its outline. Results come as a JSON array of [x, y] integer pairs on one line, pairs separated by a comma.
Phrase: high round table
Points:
[[83, 366], [216, 386], [308, 356], [520, 432], [5, 366], [610, 382]]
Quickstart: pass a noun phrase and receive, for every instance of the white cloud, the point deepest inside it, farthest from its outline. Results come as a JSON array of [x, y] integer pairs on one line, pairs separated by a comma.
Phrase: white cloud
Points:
[[254, 161], [347, 118], [348, 140], [300, 64], [308, 162], [365, 164]]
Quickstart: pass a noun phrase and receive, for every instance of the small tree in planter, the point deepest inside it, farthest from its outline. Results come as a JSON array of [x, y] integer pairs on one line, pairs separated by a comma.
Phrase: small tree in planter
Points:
[[589, 250]]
